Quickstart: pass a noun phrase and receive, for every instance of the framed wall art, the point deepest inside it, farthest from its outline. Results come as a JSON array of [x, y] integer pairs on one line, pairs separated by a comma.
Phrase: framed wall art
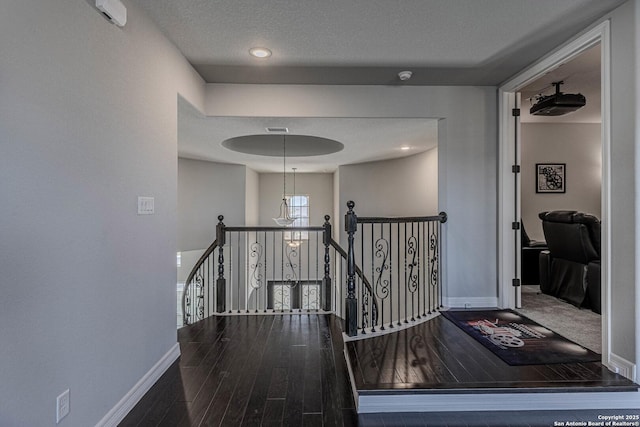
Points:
[[551, 177]]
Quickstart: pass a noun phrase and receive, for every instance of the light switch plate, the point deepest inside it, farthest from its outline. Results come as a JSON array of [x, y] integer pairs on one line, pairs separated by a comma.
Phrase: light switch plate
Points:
[[145, 205], [62, 406]]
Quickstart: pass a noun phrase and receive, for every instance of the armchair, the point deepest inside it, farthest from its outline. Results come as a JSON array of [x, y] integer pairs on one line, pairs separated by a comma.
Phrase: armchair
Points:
[[570, 269]]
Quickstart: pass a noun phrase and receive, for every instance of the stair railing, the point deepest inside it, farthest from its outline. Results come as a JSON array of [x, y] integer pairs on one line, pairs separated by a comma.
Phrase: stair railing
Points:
[[249, 270], [388, 276], [401, 256]]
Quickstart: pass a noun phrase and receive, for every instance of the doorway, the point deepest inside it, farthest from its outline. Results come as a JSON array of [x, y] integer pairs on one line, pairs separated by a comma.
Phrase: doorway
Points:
[[511, 176], [561, 170]]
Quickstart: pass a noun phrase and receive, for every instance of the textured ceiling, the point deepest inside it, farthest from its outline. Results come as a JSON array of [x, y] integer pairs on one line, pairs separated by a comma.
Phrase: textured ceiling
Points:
[[444, 42], [480, 42]]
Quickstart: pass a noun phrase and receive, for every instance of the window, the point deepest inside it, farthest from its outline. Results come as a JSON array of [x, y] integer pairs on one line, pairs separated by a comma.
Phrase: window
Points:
[[299, 209]]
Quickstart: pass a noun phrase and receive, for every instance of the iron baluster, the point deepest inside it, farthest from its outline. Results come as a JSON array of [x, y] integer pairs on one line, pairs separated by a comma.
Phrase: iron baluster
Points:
[[398, 273], [390, 277], [412, 284]]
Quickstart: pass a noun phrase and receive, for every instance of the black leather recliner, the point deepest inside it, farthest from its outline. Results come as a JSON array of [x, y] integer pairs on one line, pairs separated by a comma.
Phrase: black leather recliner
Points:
[[570, 269], [530, 255]]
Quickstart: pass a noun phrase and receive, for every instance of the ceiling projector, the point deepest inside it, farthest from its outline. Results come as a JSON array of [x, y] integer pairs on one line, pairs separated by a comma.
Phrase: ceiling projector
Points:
[[558, 104]]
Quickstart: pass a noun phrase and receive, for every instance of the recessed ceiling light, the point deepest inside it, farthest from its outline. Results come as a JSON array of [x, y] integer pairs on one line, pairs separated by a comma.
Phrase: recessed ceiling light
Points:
[[405, 148], [260, 52]]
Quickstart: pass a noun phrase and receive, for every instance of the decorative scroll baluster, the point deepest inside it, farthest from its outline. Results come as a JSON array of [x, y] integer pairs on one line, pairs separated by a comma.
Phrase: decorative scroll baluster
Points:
[[412, 249], [259, 276], [398, 282], [381, 282], [390, 280], [199, 291], [412, 276], [256, 279]]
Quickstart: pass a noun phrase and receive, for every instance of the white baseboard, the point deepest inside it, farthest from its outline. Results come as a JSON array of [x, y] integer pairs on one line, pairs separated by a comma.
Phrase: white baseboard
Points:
[[126, 404], [622, 366], [472, 302], [497, 402], [404, 324]]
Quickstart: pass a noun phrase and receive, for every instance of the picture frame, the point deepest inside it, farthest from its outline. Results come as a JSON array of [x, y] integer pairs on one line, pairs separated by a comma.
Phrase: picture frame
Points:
[[551, 177]]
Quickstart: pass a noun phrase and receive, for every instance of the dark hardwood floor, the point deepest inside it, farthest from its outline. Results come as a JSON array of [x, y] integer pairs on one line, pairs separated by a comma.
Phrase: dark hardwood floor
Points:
[[253, 370], [437, 355], [290, 370]]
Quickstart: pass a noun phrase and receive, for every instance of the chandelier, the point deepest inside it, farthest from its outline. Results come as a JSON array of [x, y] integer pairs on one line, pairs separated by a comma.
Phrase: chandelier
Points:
[[284, 219]]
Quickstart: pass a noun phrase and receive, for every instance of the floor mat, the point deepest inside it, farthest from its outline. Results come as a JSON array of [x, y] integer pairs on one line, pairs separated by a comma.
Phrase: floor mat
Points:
[[518, 340]]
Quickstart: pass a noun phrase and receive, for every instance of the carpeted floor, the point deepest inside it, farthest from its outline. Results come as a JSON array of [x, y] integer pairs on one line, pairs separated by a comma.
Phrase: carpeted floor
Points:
[[582, 326]]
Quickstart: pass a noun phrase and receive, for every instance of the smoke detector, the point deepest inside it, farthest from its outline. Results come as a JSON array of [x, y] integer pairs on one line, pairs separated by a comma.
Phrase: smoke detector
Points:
[[113, 10], [405, 75]]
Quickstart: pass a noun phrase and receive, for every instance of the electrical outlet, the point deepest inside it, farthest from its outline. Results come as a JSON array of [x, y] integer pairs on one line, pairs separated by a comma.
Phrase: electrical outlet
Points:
[[62, 406]]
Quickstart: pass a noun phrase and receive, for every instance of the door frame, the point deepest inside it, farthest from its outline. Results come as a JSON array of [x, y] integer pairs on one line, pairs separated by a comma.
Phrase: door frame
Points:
[[507, 96]]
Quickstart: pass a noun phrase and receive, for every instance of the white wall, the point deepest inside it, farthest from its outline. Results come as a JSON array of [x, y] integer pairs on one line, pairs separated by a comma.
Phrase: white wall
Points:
[[336, 206], [634, 72], [206, 190], [407, 186], [318, 186], [625, 173], [467, 151], [252, 198], [87, 123], [576, 144]]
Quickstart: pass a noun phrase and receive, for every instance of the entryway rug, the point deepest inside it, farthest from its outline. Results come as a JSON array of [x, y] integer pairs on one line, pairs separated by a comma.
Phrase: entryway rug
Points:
[[518, 340]]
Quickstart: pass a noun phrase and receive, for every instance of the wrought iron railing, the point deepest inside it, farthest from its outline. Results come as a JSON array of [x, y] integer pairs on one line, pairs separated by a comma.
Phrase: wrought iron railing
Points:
[[389, 275], [267, 270], [401, 257], [197, 296]]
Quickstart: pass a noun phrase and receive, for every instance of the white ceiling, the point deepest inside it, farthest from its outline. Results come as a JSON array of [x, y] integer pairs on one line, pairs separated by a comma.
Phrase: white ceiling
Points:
[[471, 42], [453, 42], [364, 139]]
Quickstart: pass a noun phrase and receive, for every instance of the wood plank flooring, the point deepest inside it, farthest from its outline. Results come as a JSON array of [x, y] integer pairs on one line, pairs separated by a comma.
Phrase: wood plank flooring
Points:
[[437, 355], [290, 370], [278, 370]]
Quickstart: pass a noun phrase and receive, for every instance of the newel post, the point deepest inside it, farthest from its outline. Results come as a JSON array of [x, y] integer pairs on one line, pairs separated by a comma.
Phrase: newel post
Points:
[[351, 303], [221, 294], [326, 280]]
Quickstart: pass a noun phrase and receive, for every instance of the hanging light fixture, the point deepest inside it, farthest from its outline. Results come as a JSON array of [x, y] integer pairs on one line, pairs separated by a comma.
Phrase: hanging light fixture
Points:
[[285, 219], [295, 241]]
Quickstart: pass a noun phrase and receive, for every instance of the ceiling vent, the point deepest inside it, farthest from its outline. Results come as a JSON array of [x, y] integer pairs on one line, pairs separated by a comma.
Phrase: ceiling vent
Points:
[[277, 130], [558, 104]]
